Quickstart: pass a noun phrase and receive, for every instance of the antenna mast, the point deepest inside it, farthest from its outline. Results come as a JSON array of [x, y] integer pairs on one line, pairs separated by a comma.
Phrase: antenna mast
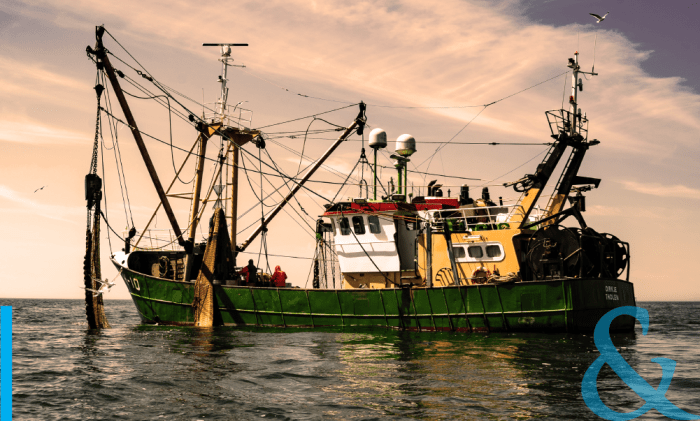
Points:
[[237, 137], [576, 86], [225, 59]]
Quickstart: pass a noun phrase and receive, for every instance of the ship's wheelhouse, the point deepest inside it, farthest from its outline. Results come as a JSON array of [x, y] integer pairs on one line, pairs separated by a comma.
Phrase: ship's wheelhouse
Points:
[[377, 242]]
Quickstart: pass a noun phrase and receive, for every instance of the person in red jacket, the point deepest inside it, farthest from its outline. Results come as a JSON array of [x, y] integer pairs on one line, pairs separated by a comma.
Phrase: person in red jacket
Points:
[[278, 278]]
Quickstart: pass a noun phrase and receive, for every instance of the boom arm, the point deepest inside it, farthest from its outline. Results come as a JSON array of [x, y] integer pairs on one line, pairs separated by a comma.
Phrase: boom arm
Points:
[[101, 53], [570, 178], [357, 123], [540, 178]]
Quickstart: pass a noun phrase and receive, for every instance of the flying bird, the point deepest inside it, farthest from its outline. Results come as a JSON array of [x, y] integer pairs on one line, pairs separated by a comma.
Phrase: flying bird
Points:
[[106, 284], [41, 188], [600, 19]]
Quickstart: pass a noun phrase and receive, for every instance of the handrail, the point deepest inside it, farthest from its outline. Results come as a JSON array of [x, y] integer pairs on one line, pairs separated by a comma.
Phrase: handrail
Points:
[[481, 217]]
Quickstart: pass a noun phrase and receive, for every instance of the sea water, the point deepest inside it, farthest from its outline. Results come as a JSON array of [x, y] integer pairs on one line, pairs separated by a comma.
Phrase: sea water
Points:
[[62, 370]]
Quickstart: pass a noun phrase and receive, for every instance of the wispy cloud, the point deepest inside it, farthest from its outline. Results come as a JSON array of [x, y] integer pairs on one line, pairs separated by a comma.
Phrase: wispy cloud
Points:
[[33, 81], [32, 132], [416, 54], [22, 203], [657, 189]]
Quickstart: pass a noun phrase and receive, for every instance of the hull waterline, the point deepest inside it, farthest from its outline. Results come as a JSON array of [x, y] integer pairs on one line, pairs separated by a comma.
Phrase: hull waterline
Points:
[[570, 305]]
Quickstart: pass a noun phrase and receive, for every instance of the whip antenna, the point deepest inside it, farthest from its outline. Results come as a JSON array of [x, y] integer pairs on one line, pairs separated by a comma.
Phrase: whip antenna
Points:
[[594, 45]]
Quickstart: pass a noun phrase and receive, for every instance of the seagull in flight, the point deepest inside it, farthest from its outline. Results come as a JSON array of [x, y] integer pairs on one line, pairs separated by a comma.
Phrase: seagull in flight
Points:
[[41, 188], [600, 19], [106, 284], [106, 287]]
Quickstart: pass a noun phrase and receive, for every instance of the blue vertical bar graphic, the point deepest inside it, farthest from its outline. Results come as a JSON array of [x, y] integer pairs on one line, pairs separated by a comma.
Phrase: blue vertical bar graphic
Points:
[[5, 363]]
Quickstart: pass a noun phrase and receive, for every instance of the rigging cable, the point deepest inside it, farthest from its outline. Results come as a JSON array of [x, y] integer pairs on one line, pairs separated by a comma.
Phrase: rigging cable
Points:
[[118, 161], [207, 158], [331, 170], [277, 190], [309, 116], [157, 84], [519, 166], [284, 209], [170, 124], [346, 180], [404, 107], [286, 185], [439, 148], [303, 146]]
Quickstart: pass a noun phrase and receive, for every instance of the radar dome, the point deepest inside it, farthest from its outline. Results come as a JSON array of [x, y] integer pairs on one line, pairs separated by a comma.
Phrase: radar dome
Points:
[[405, 145], [377, 139]]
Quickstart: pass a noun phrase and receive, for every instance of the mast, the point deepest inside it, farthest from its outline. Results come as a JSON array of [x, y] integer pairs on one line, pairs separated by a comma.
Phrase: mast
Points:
[[569, 135], [202, 139], [234, 200], [579, 142], [236, 137]]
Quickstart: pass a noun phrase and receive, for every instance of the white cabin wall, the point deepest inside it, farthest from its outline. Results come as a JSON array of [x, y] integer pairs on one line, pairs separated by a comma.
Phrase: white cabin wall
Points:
[[381, 247]]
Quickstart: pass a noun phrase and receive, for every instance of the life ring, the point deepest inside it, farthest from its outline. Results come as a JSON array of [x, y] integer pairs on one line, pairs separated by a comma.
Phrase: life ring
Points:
[[163, 266], [480, 275]]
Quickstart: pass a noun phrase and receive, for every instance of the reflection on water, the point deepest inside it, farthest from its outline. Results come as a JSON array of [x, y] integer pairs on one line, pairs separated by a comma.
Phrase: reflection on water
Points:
[[63, 371], [440, 375]]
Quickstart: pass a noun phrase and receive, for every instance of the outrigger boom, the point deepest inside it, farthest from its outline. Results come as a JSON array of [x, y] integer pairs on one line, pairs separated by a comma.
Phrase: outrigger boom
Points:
[[358, 124]]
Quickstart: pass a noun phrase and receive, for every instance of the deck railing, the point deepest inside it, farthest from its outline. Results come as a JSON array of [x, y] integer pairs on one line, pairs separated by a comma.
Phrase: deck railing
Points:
[[158, 239], [481, 218]]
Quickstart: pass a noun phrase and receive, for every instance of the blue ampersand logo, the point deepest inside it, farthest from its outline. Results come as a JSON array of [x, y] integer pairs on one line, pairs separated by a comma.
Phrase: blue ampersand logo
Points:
[[655, 398]]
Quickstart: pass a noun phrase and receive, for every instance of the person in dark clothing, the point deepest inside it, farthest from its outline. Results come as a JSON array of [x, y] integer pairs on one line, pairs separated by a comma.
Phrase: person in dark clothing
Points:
[[251, 273]]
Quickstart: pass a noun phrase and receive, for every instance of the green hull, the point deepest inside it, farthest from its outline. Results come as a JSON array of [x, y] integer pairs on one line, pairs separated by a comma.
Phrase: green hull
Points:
[[573, 305]]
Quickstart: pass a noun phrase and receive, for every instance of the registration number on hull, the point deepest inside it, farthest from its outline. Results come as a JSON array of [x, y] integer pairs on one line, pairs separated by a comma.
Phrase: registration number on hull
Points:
[[611, 293]]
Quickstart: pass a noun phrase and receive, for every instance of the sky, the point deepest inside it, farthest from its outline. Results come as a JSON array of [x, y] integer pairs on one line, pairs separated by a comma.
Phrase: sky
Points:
[[423, 68]]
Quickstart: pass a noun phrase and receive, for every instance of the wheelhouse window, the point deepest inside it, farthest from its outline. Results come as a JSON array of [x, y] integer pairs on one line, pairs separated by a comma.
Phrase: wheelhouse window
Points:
[[458, 252], [476, 252], [493, 251], [344, 226], [374, 226], [358, 224]]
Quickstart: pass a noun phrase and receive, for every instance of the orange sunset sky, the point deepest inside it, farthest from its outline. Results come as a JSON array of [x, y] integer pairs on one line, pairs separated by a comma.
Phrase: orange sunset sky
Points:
[[416, 64]]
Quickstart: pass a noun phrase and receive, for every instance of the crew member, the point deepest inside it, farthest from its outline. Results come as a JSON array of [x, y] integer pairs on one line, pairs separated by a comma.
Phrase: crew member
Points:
[[278, 278], [251, 273]]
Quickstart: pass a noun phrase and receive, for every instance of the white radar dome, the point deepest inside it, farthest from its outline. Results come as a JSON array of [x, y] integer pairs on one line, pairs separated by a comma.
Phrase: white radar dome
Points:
[[405, 145], [377, 139]]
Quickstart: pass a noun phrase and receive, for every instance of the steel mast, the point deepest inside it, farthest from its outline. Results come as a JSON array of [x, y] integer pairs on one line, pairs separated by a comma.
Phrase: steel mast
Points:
[[222, 115]]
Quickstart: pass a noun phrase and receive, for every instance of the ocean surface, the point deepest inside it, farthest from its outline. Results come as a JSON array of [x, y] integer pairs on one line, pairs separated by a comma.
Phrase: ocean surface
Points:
[[63, 371]]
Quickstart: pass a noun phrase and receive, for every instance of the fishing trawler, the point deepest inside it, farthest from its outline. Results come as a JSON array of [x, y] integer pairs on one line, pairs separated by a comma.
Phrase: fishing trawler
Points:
[[430, 262]]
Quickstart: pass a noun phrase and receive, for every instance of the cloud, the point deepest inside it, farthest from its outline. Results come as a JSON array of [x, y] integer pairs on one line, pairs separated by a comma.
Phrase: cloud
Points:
[[412, 53], [23, 204], [600, 210], [32, 132], [657, 189], [32, 80]]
